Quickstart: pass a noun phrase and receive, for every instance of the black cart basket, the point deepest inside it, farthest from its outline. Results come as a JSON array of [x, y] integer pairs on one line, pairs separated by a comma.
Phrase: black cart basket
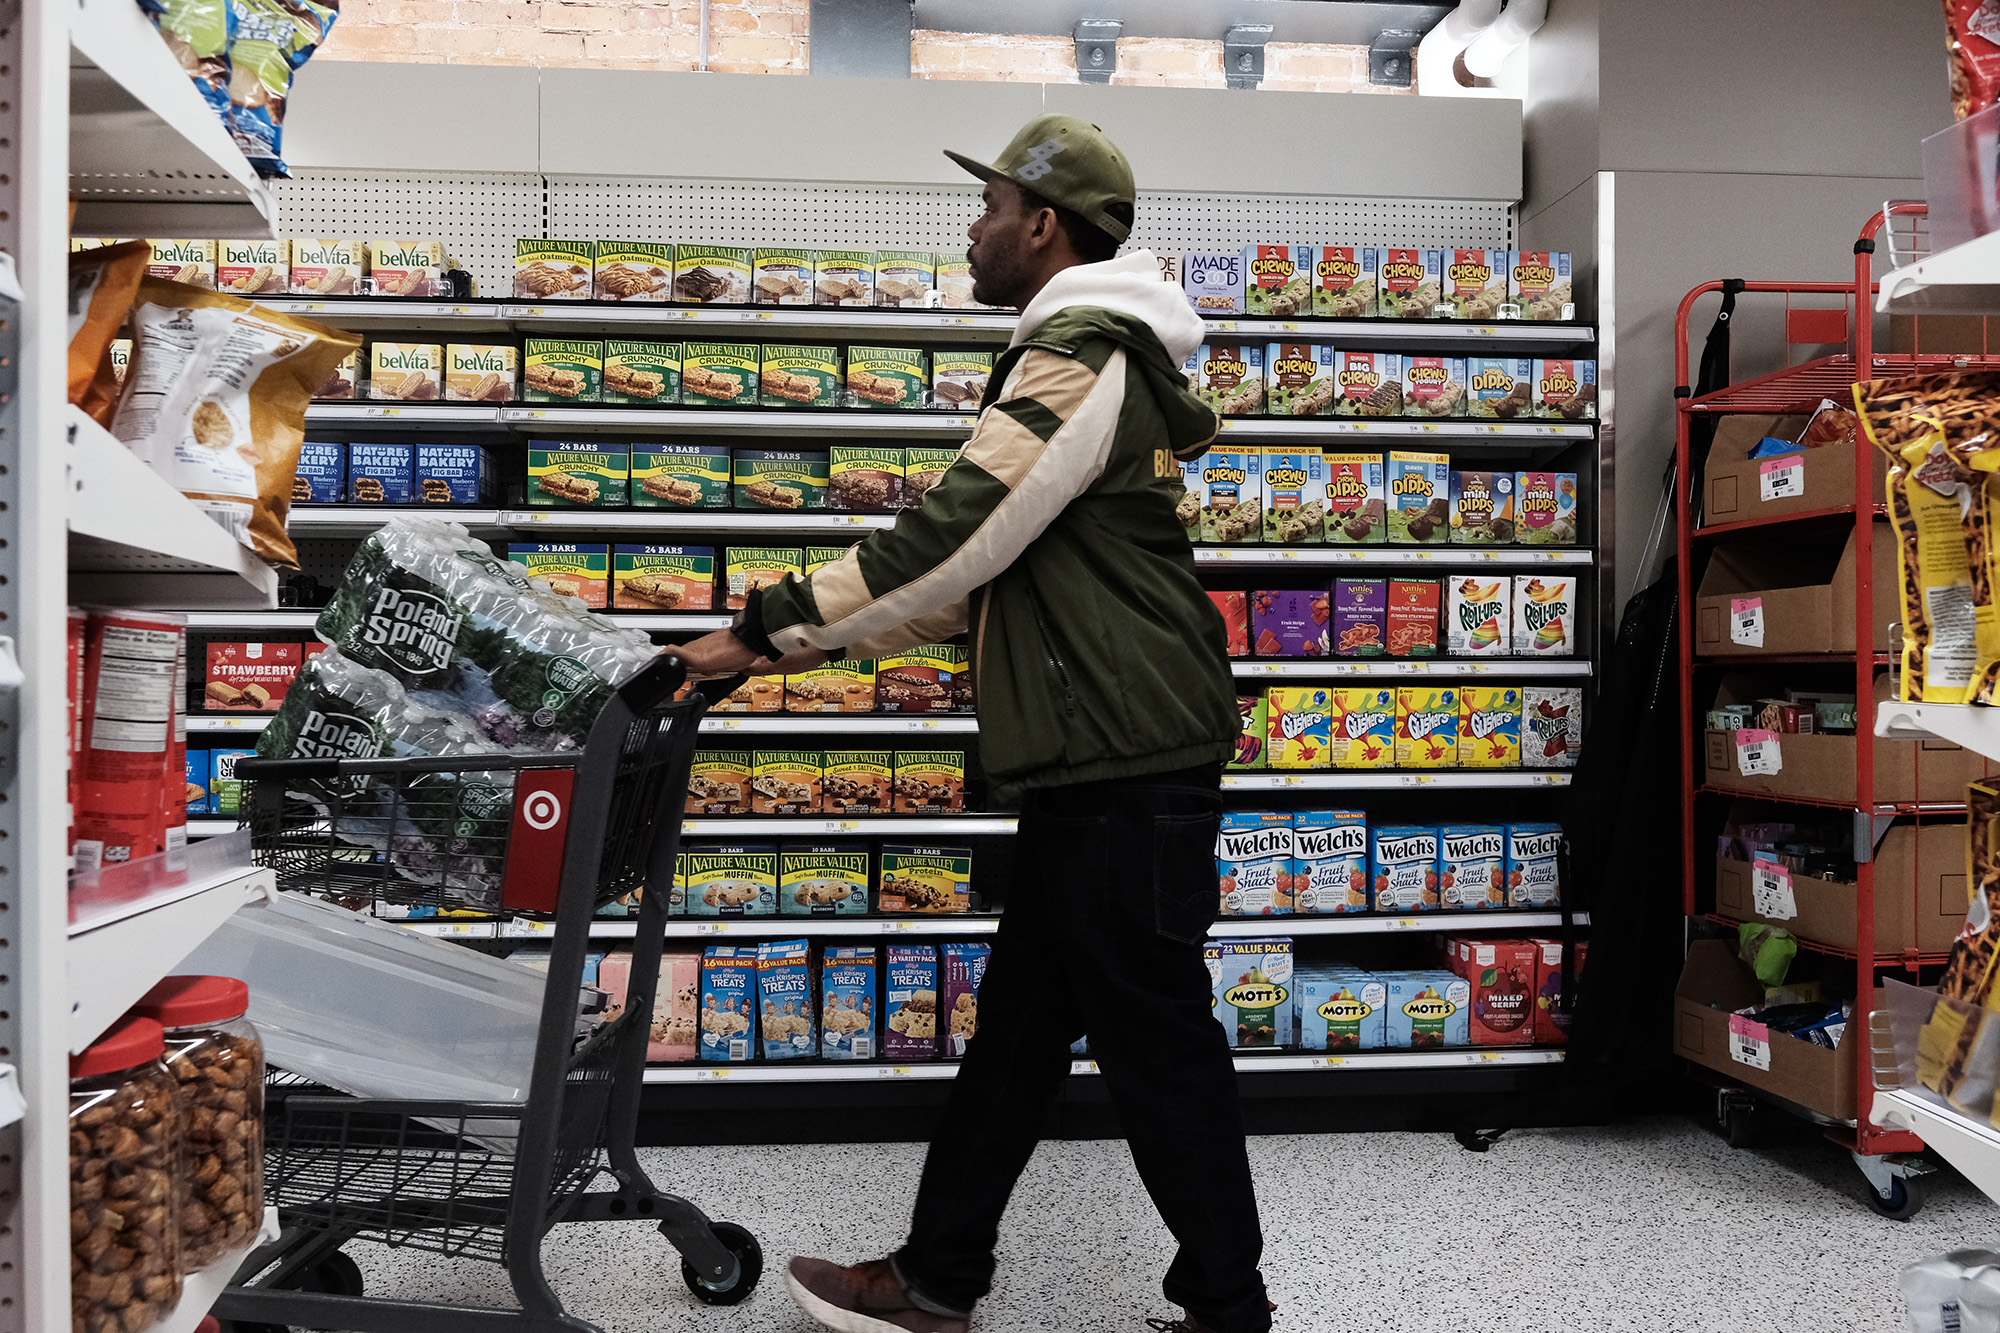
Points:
[[553, 836]]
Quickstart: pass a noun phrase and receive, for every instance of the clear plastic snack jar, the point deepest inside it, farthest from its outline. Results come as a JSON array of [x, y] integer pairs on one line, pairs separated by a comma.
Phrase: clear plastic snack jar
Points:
[[215, 1057], [125, 1178]]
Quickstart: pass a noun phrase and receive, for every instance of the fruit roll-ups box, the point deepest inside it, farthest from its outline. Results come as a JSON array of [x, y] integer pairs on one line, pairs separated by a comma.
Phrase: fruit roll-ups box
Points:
[[1412, 283], [1213, 282], [1539, 282], [249, 677], [720, 374], [1253, 991], [456, 474], [1500, 388], [1545, 505], [200, 800], [1426, 726], [732, 879], [1370, 384], [748, 567], [1344, 281], [1231, 376], [562, 370], [1294, 487], [1235, 610], [930, 782], [1534, 861], [1342, 1009], [1501, 977], [553, 270], [728, 1017], [843, 686], [923, 469], [782, 277], [904, 278], [191, 263], [849, 976], [1419, 498], [253, 268], [1290, 622], [1362, 726], [1330, 860], [633, 271], [1298, 726], [340, 386], [785, 1025], [1474, 867], [1277, 280], [925, 879], [681, 476], [1231, 490], [712, 274], [1405, 866], [1299, 379], [1489, 726], [916, 680], [910, 1002], [1478, 615], [1429, 1010], [799, 375], [892, 378], [1413, 617], [719, 783], [641, 374], [864, 479], [823, 879], [1544, 615], [573, 570], [858, 782], [570, 474], [1482, 508], [381, 474], [785, 782], [844, 277], [1475, 283], [406, 372], [1253, 863], [406, 268], [1434, 386], [1356, 510], [322, 475], [959, 379], [787, 480], [327, 265], [954, 280], [663, 578], [1251, 710], [964, 969], [481, 372], [1566, 390], [1551, 726], [1360, 617]]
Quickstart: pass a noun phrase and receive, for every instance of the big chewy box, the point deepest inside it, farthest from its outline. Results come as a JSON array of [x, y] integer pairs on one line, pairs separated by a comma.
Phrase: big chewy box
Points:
[[728, 1002], [1253, 863], [1330, 860], [1404, 862], [1253, 990]]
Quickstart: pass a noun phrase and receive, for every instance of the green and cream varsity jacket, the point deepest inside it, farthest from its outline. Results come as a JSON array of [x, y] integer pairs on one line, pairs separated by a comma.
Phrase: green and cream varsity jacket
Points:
[[1053, 541]]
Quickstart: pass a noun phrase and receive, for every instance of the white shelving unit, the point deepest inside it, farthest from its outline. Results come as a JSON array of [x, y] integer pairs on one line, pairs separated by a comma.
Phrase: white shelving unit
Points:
[[861, 1072], [930, 829], [781, 927], [1395, 780], [1958, 281], [1321, 667]]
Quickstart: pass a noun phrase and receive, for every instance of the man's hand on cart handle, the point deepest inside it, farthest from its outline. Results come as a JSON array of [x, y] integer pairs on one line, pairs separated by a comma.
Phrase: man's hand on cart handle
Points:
[[721, 653]]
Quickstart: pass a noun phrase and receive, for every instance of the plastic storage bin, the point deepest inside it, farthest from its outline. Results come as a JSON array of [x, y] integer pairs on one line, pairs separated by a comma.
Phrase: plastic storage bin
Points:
[[125, 1182]]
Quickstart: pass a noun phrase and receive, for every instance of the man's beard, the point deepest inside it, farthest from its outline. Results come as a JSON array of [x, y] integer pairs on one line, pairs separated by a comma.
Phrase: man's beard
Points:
[[998, 276]]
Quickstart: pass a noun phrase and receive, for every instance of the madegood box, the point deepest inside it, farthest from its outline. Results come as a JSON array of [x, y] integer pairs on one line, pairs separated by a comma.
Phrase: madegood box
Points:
[[1426, 726], [641, 374], [1253, 863], [1544, 615], [893, 378], [406, 372], [925, 879], [785, 782], [712, 275], [1344, 279], [562, 370], [1419, 498], [681, 476], [729, 1003], [572, 474], [638, 271], [720, 374], [549, 270], [1501, 388], [189, 262], [844, 277], [381, 474], [858, 782], [1413, 617], [782, 277], [1475, 282], [865, 479], [1370, 384], [797, 375], [253, 268], [1330, 860], [1277, 280], [719, 783], [572, 570], [1478, 615], [1231, 378], [1253, 990], [1298, 726], [783, 479], [480, 372], [1539, 282], [1299, 379], [849, 974], [456, 474], [1434, 386], [1341, 1009], [1482, 508], [930, 782], [784, 1000], [748, 567], [823, 880], [1363, 727], [1251, 710], [1356, 510], [1534, 874], [327, 265], [406, 268], [910, 1002], [1426, 1010], [1294, 510], [1360, 617], [1290, 622], [250, 677], [1551, 726], [663, 578], [1231, 491], [1489, 726], [904, 278], [1412, 284], [322, 475], [846, 685], [1213, 282], [959, 379], [1566, 390], [731, 880], [1473, 863]]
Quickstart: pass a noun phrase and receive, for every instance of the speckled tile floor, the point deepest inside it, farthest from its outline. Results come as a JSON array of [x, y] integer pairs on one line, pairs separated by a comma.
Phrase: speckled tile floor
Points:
[[1654, 1226]]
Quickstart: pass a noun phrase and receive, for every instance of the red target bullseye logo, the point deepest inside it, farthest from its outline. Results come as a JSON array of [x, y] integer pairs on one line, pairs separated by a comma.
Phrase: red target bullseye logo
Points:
[[542, 810]]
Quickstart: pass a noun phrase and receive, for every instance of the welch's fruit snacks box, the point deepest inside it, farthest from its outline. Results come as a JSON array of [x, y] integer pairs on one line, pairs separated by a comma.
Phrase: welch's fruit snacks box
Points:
[[1330, 860], [1253, 863]]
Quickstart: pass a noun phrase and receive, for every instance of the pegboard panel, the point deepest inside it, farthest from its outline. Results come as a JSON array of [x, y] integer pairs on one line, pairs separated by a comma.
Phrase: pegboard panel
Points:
[[478, 216]]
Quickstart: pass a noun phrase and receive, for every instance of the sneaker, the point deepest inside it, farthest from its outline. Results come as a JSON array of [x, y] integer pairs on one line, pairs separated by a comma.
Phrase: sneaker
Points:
[[1187, 1323], [863, 1298]]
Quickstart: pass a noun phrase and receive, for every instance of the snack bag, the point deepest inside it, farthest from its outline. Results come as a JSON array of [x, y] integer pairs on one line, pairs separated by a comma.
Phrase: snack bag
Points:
[[268, 41], [198, 33], [102, 282], [1972, 40]]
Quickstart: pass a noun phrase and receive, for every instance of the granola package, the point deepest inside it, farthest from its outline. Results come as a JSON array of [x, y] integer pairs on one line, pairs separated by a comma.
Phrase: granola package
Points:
[[551, 270], [887, 377], [844, 277], [268, 41], [102, 283], [642, 374], [635, 271], [712, 275], [719, 374], [782, 277], [799, 376], [562, 370], [1232, 378]]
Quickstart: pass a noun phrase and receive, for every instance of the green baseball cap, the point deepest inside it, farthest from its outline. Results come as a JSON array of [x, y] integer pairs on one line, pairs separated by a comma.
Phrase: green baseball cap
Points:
[[1068, 162]]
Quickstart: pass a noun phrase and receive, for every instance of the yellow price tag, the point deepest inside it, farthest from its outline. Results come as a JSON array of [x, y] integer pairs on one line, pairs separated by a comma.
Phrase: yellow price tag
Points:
[[711, 928], [961, 319], [1289, 327], [899, 927], [928, 724], [1090, 1066], [1490, 1057], [1430, 427], [1226, 325], [856, 520], [1478, 666], [1401, 923], [461, 309], [1335, 1061], [848, 825], [1288, 555], [713, 1073], [385, 411], [1292, 780], [1488, 332], [1359, 427]]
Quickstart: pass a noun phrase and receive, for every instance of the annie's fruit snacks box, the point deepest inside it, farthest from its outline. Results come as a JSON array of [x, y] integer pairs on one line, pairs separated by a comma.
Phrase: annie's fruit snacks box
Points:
[[322, 475], [381, 474], [1213, 282], [1360, 617], [1330, 860], [849, 976], [456, 474], [1253, 863], [1544, 615], [1253, 990], [731, 880], [784, 1000], [1489, 726], [680, 476], [663, 578], [1478, 615], [573, 570], [1426, 726], [728, 1018], [829, 879], [1551, 726], [1474, 866], [573, 475], [1534, 874], [1363, 726], [1427, 1010], [910, 1002], [1356, 513], [1419, 498], [1413, 617], [1405, 863]]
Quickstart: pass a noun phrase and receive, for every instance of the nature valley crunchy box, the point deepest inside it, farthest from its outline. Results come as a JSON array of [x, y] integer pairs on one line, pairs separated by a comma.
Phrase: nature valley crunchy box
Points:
[[1368, 384], [844, 277], [1299, 379], [563, 370], [191, 263], [327, 265], [582, 572], [864, 479], [843, 686], [858, 782], [904, 278], [1363, 727], [406, 268], [829, 879], [480, 372], [747, 567], [407, 372], [785, 782], [926, 879], [923, 468], [930, 782], [800, 376], [572, 474], [1277, 281], [819, 557], [1412, 284], [887, 377], [633, 271], [1475, 282], [782, 277], [663, 578], [1426, 727], [1489, 726], [680, 476], [546, 270], [642, 374], [712, 275], [253, 268], [720, 374], [1356, 512], [1344, 281], [782, 479]]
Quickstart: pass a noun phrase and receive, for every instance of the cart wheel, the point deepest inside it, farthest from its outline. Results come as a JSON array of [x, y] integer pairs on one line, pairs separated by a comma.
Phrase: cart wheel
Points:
[[1905, 1199], [1739, 1124], [335, 1275], [749, 1267]]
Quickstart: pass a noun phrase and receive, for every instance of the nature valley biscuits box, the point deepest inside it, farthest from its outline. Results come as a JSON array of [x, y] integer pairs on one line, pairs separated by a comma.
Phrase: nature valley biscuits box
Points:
[[1566, 390], [327, 265], [573, 475], [1426, 727], [1277, 280], [582, 572], [1477, 616], [747, 567], [1539, 283], [829, 879], [1253, 863], [1362, 727], [954, 280], [783, 479], [844, 277], [923, 468], [642, 374], [863, 479], [1231, 378], [925, 879], [1412, 283], [1434, 386], [681, 476], [546, 270], [1475, 282], [785, 782], [1344, 279], [712, 275], [1356, 511], [406, 268], [480, 372], [663, 578], [904, 278], [188, 262], [1299, 379], [930, 782], [562, 370], [1213, 283], [633, 271], [1419, 498], [843, 686], [253, 268], [782, 277], [887, 377], [1230, 487], [1546, 505], [1501, 388], [1298, 727], [731, 880], [1482, 508], [1489, 726], [406, 372], [959, 379], [720, 374], [1368, 384], [858, 782], [1544, 615], [1294, 482], [797, 376]]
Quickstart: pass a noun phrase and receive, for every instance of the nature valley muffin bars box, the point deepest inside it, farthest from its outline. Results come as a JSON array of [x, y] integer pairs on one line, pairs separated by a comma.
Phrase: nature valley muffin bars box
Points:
[[1356, 510], [481, 372], [1489, 726], [747, 567], [1412, 283], [681, 476], [327, 265], [887, 377], [925, 879], [824, 879], [800, 376], [1368, 384], [1475, 282], [406, 372], [663, 578], [930, 782], [582, 572], [1344, 279], [253, 268], [720, 374], [904, 278], [1419, 498], [1299, 379], [641, 374], [858, 782], [782, 277], [782, 479], [844, 277], [731, 879], [1232, 378], [1294, 507], [712, 275], [843, 686], [1426, 727], [406, 268], [1277, 280], [569, 474], [785, 782], [959, 379], [633, 271], [191, 263], [548, 270], [1362, 727], [562, 370]]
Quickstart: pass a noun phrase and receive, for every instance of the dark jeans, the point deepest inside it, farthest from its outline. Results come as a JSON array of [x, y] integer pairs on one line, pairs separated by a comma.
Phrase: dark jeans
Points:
[[1112, 896]]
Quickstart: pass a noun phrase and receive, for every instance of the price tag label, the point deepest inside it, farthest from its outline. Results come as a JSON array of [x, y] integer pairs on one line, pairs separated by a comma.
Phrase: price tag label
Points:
[[1428, 427], [1488, 332], [1333, 1061], [303, 307], [1479, 666], [1288, 554], [1771, 890], [689, 314], [1782, 478], [1359, 427], [960, 319], [1746, 621], [1226, 325], [711, 927], [1423, 557], [856, 520], [1400, 923], [844, 826], [380, 412], [531, 414], [1292, 779], [1085, 1067], [926, 724], [459, 309], [1289, 327], [711, 1073], [892, 1071], [766, 314], [1490, 1057], [1749, 1043], [1558, 430], [898, 927], [1757, 752], [528, 929]]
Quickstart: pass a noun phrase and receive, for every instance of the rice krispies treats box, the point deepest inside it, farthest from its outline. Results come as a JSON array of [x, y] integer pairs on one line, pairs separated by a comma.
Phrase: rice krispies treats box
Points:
[[964, 968], [849, 981], [910, 1002], [784, 1000], [728, 1019], [1330, 861], [1253, 863]]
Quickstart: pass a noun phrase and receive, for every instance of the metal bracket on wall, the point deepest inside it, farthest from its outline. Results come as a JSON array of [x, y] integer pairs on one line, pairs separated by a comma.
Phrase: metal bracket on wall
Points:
[[1390, 57], [1097, 49], [1243, 54], [1869, 831]]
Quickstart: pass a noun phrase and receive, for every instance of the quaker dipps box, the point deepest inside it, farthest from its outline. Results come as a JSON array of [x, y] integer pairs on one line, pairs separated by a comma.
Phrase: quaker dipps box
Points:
[[1419, 497], [1356, 510]]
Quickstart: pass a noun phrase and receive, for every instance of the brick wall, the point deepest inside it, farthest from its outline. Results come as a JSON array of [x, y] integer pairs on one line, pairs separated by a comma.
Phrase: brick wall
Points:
[[1160, 62]]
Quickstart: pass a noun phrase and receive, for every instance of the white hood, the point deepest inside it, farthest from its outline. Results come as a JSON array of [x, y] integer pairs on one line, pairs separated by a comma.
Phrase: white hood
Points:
[[1129, 284]]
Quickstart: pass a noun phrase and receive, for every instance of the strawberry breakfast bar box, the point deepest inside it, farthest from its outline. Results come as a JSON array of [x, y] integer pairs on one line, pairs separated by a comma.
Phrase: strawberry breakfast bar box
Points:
[[1343, 281], [1363, 727], [1298, 726], [1356, 513], [251, 677], [1426, 727]]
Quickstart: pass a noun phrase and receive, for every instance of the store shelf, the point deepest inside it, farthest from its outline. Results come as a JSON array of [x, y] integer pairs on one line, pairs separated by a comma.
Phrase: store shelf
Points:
[[1883, 958], [918, 424], [212, 828], [1321, 667], [771, 523], [1971, 1146], [132, 924], [135, 541], [360, 520], [1391, 555], [733, 724], [1779, 520], [1275, 1063], [834, 324], [1958, 281], [1881, 808], [1459, 780], [429, 416], [927, 828], [305, 617], [1348, 429], [1977, 729], [782, 927], [148, 157], [249, 724]]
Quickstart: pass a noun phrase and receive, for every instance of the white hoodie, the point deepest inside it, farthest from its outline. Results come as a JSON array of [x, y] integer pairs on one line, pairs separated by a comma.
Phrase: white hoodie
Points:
[[1130, 285]]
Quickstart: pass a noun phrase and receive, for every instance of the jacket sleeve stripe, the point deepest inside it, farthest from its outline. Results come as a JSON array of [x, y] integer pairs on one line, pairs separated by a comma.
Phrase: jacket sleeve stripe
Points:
[[933, 628], [1041, 422]]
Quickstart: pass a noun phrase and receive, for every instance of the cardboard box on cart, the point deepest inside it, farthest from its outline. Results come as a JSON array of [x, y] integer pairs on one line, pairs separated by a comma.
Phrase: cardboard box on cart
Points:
[[1734, 485], [1795, 597], [1794, 1069]]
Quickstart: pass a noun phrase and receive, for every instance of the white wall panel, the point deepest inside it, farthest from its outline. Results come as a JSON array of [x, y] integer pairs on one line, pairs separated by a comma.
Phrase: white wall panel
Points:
[[395, 117]]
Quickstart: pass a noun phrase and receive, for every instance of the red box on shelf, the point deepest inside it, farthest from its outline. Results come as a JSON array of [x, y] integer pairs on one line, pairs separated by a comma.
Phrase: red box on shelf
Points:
[[1413, 617], [1235, 609], [1502, 976], [1551, 1023]]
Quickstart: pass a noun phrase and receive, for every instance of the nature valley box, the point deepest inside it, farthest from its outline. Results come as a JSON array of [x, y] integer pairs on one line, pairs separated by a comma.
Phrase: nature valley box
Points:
[[546, 270], [719, 374], [844, 277], [954, 280], [904, 278], [863, 479], [887, 377], [680, 476], [748, 567], [642, 374], [925, 879], [406, 268], [327, 265], [576, 571], [731, 881], [800, 376], [712, 275], [843, 686], [563, 370], [783, 479], [782, 277], [480, 372], [633, 271], [829, 879], [253, 268], [663, 578], [959, 379], [930, 782], [858, 782], [818, 557], [923, 468], [570, 474], [917, 679], [188, 262], [785, 782]]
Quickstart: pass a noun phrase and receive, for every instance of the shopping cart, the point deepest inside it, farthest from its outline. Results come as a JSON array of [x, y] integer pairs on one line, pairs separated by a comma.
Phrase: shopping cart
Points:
[[485, 1180]]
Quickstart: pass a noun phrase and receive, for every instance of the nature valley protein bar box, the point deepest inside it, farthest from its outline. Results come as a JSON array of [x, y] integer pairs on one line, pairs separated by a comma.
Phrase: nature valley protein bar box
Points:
[[572, 570], [571, 474], [904, 278], [563, 370], [719, 374], [406, 268], [680, 476], [327, 265], [480, 372], [633, 271], [844, 277], [800, 376], [189, 262], [642, 374], [887, 377], [663, 578], [926, 879], [546, 270], [712, 275], [253, 268]]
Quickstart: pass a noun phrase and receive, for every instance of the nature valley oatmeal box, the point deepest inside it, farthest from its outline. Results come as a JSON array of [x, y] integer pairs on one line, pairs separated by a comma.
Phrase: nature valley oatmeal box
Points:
[[1475, 282], [1299, 379], [408, 372], [858, 782], [1412, 283], [1298, 727], [782, 277], [1363, 727], [327, 265], [1344, 279], [785, 782], [189, 262], [406, 268], [547, 270], [904, 278], [925, 879], [1368, 384], [480, 372], [720, 374], [1426, 726], [253, 268], [641, 374], [680, 476], [712, 275], [747, 567], [887, 377], [562, 370], [844, 277], [572, 570], [1489, 726], [843, 686], [1277, 280], [800, 376], [633, 271], [663, 578], [1232, 378], [578, 474], [829, 879]]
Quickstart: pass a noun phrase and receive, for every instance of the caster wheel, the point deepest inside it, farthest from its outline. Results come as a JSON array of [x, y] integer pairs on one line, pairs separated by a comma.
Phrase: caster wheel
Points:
[[1740, 1126], [1476, 1140], [336, 1275], [1906, 1198], [749, 1267]]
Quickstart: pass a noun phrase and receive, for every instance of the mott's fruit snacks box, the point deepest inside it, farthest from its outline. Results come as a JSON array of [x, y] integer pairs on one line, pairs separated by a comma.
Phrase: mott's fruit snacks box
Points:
[[844, 277], [1277, 280], [925, 879], [1253, 990], [1474, 857], [1546, 504], [1566, 390], [783, 479], [1294, 510], [895, 378], [480, 372], [1363, 727], [576, 571], [1299, 726], [1341, 1009], [1230, 487], [572, 475], [1482, 508], [1253, 863], [782, 277], [747, 567], [732, 879], [1551, 726], [1412, 283], [1477, 614], [681, 476], [641, 374], [1501, 388], [1250, 741], [1344, 281], [728, 1018], [794, 375], [1413, 617], [1534, 875], [1356, 510], [1213, 282], [720, 374], [562, 370], [1330, 860], [1405, 864], [1434, 386], [549, 270], [1475, 282], [1230, 378], [633, 271], [1419, 498], [849, 974], [1299, 379], [322, 475], [1426, 1010], [1426, 726], [1544, 615], [830, 879], [1489, 726], [712, 274], [1539, 282], [456, 474], [663, 578], [381, 474], [1369, 384]]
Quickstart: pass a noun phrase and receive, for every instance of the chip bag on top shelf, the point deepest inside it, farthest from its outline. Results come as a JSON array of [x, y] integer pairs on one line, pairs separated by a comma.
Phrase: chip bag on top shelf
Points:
[[1972, 37], [198, 33], [268, 41]]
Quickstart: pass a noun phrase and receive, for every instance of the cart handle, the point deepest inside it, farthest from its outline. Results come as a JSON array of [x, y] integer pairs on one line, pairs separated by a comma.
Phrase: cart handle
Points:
[[664, 675]]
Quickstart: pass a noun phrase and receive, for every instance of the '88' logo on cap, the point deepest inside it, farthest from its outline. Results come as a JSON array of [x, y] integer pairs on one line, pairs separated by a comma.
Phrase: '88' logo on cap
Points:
[[1037, 165]]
